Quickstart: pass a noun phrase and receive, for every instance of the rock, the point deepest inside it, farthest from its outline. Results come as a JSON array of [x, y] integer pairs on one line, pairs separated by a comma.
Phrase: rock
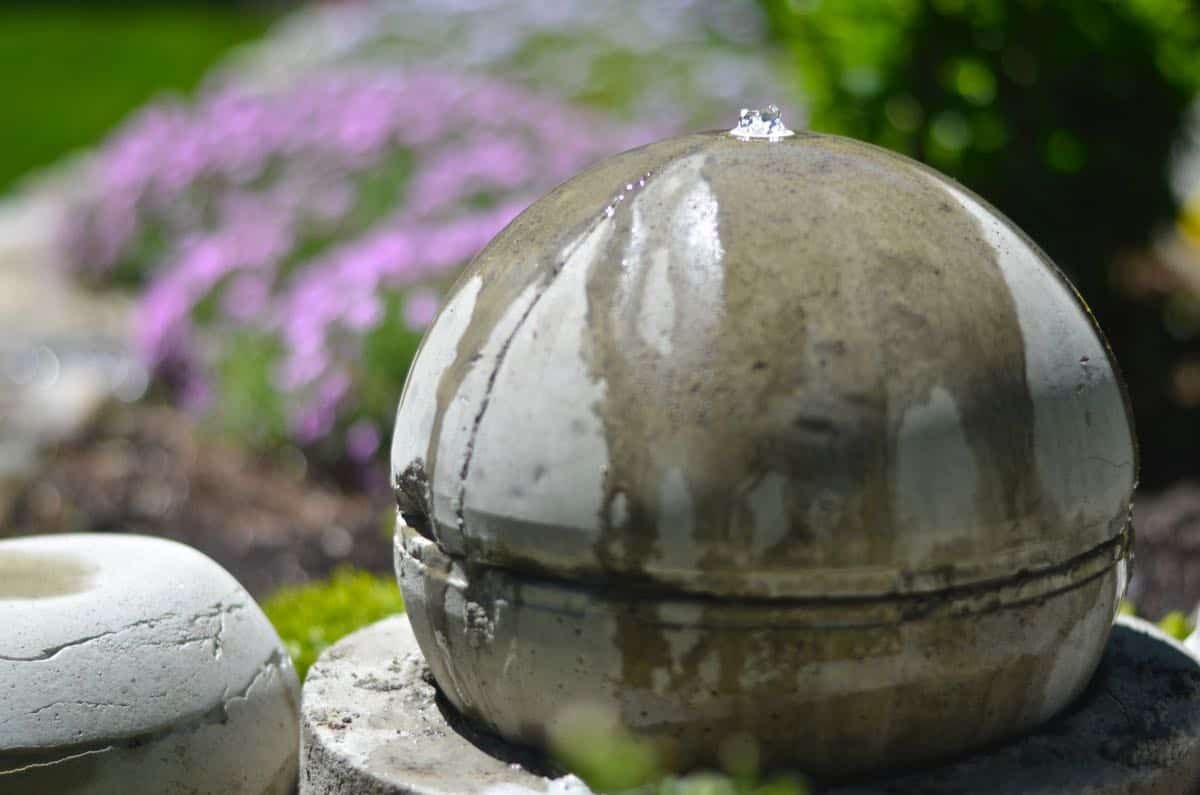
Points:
[[374, 723], [131, 664], [1134, 731]]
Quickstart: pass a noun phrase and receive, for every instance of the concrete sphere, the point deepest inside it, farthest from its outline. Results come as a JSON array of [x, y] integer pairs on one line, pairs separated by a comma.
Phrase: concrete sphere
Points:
[[795, 438]]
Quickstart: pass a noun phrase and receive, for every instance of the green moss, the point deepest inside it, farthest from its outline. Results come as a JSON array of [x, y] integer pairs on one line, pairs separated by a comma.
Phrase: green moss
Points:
[[1176, 624], [311, 617]]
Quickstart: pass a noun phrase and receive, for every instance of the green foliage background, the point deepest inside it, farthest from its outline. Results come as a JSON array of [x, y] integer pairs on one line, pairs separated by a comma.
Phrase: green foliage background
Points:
[[1061, 113], [311, 617], [70, 71]]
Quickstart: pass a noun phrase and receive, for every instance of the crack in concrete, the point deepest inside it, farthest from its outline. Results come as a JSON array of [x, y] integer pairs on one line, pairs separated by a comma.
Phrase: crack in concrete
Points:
[[219, 610], [1108, 691], [53, 651], [1109, 462], [35, 765], [66, 702], [218, 714], [51, 705]]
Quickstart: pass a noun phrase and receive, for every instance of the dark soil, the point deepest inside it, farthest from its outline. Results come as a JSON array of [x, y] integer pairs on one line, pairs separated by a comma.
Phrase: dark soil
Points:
[[146, 468]]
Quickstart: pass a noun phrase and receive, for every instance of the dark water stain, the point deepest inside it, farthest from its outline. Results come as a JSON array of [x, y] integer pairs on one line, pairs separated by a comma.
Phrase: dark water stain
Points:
[[844, 290], [837, 307], [848, 289], [843, 287], [39, 576]]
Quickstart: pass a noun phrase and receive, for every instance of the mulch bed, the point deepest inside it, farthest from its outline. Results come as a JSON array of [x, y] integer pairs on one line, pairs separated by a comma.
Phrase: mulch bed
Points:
[[147, 468]]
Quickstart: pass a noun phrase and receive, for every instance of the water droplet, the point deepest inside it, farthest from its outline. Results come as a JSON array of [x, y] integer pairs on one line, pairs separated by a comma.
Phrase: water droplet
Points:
[[620, 197], [761, 123]]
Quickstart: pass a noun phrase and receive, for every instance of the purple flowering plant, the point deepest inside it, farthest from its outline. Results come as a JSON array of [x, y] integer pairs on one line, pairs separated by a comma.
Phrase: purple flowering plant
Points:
[[291, 245]]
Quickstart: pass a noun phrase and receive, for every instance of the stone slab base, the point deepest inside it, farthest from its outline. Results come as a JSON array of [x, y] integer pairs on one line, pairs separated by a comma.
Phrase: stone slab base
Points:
[[372, 723]]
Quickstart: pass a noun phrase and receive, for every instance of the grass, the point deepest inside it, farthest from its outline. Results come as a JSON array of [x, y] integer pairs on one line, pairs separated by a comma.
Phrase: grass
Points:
[[70, 72]]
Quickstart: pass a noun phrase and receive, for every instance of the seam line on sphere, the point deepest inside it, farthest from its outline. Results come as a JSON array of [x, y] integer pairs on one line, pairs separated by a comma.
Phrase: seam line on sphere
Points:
[[1050, 581], [500, 357], [487, 397]]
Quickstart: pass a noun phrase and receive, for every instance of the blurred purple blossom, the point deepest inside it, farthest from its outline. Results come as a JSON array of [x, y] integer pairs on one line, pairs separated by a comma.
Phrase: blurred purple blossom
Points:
[[296, 213], [420, 307], [696, 60], [362, 440]]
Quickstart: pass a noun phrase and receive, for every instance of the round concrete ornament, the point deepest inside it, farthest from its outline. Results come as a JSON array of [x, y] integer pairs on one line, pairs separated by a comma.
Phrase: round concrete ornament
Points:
[[131, 664], [768, 433]]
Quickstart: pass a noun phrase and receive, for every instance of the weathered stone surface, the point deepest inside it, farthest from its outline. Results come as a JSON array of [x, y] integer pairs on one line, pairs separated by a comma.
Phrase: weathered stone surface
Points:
[[802, 436], [372, 724], [834, 686], [801, 368], [1134, 731], [131, 664]]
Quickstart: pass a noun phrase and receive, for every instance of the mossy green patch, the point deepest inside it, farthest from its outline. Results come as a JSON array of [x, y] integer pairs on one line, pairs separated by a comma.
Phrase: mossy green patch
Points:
[[311, 617]]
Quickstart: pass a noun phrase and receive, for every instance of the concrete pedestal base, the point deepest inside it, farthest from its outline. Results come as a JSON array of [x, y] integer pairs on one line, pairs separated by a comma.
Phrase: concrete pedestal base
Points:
[[373, 724]]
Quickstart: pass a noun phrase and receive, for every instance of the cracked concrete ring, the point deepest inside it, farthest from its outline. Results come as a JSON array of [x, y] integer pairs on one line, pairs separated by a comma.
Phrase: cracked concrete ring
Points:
[[133, 664]]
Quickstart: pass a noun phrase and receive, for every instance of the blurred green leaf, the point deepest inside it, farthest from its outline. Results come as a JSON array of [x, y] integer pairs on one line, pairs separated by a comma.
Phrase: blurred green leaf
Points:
[[590, 742], [252, 409], [1063, 114], [387, 353]]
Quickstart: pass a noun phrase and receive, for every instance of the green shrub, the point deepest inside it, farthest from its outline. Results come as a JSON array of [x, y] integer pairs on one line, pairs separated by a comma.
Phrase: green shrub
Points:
[[1062, 114], [311, 617]]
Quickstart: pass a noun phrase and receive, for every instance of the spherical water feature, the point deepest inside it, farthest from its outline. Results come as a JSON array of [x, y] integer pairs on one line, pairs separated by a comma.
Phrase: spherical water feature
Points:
[[769, 434]]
